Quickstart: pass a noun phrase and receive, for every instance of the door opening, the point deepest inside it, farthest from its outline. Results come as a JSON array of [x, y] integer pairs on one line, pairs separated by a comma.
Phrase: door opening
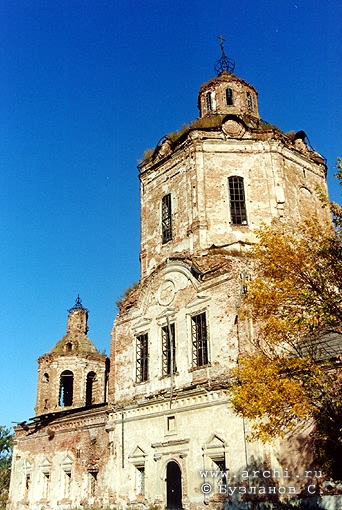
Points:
[[173, 486]]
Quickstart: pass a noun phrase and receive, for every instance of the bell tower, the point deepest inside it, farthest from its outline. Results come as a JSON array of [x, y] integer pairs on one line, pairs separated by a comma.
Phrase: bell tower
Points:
[[73, 374], [216, 181]]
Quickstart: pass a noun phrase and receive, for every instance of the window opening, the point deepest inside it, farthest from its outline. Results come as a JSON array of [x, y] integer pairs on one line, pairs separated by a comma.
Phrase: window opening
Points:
[[66, 388], [237, 201], [91, 377], [46, 485], [208, 101], [92, 482], [220, 465], [229, 97], [68, 347], [67, 484], [171, 423], [166, 218], [199, 340], [167, 342], [140, 480], [142, 358], [28, 482], [250, 102]]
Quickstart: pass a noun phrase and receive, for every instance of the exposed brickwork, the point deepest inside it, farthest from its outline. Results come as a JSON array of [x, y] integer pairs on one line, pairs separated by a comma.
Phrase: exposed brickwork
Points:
[[82, 451], [280, 177], [76, 354]]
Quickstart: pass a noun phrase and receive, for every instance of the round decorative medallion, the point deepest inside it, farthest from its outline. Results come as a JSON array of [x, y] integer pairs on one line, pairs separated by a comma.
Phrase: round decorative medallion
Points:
[[166, 293], [233, 129]]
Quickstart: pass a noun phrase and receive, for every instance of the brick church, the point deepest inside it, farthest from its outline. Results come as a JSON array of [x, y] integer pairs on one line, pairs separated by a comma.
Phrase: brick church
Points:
[[144, 428]]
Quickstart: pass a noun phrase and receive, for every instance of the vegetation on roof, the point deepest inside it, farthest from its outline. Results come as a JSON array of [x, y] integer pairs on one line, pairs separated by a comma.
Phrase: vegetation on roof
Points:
[[119, 302], [211, 121], [214, 121]]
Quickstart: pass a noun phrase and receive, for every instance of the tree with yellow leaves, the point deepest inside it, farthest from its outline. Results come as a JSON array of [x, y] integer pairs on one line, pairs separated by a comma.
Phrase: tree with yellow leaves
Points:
[[294, 300]]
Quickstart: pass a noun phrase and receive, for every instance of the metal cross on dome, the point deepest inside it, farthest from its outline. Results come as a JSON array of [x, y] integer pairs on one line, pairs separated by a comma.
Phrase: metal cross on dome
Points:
[[224, 63], [78, 305]]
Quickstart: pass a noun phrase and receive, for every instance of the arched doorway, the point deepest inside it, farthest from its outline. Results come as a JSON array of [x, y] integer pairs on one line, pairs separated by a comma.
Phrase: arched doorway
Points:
[[173, 486]]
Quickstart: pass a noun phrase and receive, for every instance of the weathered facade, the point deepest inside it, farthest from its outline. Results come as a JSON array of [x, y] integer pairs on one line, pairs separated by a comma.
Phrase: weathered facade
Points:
[[141, 433]]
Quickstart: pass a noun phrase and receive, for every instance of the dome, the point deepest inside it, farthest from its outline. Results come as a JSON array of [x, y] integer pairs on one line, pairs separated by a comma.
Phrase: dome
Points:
[[227, 93]]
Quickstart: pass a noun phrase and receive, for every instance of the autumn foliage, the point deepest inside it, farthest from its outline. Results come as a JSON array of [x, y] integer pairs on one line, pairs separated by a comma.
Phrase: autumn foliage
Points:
[[291, 377]]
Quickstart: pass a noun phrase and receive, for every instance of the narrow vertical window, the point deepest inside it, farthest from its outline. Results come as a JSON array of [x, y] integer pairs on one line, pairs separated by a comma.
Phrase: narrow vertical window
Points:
[[140, 480], [169, 349], [199, 340], [208, 102], [90, 386], [171, 424], [250, 102], [219, 464], [27, 483], [46, 485], [166, 218], [92, 477], [229, 97], [237, 201], [66, 388], [67, 484], [142, 358]]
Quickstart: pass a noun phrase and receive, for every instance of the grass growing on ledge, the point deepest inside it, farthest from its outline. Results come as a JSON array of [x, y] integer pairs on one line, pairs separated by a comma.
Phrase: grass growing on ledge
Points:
[[211, 121], [126, 293]]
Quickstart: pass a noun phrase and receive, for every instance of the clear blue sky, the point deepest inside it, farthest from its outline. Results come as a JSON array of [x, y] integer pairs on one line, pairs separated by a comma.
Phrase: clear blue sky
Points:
[[86, 86]]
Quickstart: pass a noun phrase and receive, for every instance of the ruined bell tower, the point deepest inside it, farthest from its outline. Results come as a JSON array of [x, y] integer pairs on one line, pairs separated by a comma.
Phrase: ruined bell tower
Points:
[[73, 373]]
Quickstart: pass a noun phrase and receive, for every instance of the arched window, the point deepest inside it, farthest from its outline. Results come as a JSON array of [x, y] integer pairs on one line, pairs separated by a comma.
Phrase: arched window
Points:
[[237, 202], [229, 97], [66, 388], [90, 388]]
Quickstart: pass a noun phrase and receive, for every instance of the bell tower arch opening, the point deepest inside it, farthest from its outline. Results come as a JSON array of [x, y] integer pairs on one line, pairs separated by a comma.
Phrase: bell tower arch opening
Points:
[[173, 486], [66, 388], [90, 388]]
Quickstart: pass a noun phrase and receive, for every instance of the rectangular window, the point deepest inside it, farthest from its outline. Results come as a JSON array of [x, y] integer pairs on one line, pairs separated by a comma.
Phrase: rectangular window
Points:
[[92, 478], [250, 102], [142, 358], [140, 480], [28, 482], [166, 218], [46, 485], [169, 353], [237, 200], [208, 102], [229, 97], [199, 340], [219, 465], [67, 484], [171, 423]]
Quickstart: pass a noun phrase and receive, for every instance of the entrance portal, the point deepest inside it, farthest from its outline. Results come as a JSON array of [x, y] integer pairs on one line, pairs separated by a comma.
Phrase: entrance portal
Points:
[[173, 486]]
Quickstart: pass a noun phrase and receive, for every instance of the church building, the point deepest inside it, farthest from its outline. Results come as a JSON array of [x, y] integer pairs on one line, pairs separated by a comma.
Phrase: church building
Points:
[[152, 427]]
